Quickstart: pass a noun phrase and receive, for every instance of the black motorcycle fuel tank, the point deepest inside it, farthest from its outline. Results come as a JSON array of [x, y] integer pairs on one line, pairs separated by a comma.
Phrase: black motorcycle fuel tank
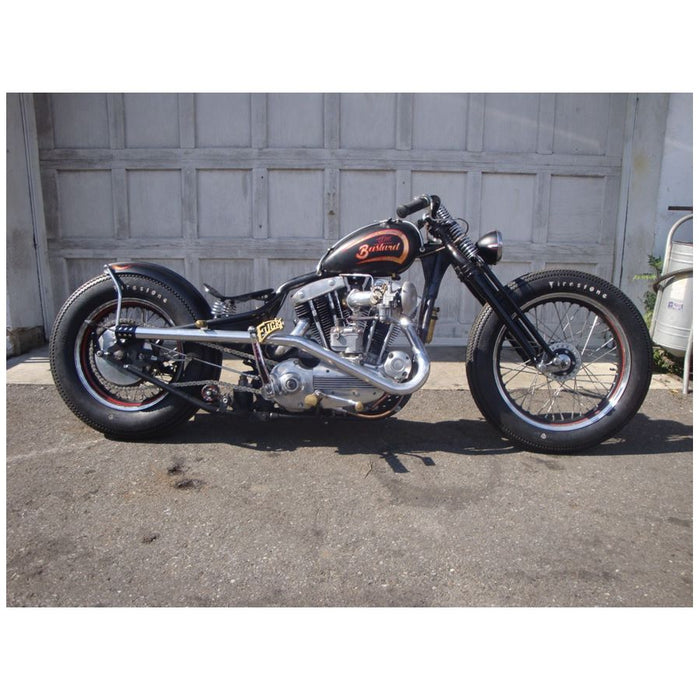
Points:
[[380, 249]]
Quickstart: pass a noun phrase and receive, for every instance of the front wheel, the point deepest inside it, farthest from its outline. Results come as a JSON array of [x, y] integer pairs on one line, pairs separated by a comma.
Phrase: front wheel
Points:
[[600, 379]]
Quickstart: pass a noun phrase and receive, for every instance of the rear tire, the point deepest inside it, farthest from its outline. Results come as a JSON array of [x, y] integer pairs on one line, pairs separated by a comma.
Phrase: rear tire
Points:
[[607, 364], [105, 397]]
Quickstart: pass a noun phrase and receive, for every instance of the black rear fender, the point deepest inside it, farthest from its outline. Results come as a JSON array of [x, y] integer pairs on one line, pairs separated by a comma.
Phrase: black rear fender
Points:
[[174, 280]]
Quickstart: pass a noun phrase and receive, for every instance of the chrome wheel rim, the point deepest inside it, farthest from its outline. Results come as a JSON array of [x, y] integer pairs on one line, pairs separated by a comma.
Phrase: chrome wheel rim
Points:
[[592, 374], [107, 384]]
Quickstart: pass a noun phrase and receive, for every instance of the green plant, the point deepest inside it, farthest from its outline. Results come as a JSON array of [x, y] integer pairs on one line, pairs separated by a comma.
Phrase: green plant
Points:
[[649, 298], [663, 362]]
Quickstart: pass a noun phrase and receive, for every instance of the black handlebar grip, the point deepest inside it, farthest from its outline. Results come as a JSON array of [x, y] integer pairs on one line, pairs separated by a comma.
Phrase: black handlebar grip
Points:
[[416, 204]]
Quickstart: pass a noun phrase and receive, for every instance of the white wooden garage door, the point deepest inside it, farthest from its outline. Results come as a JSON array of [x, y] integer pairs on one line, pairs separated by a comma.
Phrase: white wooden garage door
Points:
[[246, 190]]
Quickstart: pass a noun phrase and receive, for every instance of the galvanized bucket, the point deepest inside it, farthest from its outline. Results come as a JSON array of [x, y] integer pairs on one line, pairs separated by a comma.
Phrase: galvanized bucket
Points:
[[673, 313]]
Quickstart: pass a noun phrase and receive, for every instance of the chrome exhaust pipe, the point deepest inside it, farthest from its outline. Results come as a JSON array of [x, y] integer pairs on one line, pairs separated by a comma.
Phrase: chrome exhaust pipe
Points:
[[328, 357]]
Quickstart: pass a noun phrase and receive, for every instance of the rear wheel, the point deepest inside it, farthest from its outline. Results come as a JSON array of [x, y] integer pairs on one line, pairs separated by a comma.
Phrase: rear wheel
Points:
[[99, 391], [600, 377]]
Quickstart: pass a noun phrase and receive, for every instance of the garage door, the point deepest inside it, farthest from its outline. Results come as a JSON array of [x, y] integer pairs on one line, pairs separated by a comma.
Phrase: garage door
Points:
[[246, 190]]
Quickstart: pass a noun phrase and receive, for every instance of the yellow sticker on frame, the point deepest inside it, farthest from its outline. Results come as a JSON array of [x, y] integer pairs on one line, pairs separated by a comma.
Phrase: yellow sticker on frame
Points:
[[265, 328]]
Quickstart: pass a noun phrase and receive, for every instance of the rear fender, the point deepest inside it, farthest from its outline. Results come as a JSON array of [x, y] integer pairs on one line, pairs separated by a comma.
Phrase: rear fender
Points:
[[174, 280]]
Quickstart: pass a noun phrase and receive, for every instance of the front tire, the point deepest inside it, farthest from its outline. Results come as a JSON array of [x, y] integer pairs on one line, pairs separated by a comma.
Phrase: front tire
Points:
[[100, 393], [600, 383]]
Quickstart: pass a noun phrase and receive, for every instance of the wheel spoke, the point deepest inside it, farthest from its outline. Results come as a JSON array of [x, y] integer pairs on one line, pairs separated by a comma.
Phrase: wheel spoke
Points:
[[590, 334], [567, 392], [109, 385]]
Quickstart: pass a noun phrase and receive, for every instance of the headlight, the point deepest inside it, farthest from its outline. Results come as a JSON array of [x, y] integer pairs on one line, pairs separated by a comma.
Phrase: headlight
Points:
[[490, 247]]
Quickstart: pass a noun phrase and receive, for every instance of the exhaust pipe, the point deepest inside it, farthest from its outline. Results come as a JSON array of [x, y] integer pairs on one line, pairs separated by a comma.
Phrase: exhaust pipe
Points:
[[328, 357]]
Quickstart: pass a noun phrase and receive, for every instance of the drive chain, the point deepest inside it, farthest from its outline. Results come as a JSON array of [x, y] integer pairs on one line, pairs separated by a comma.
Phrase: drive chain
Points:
[[231, 387]]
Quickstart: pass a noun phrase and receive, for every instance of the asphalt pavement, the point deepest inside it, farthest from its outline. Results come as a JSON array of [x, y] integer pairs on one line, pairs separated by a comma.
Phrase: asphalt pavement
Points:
[[430, 508]]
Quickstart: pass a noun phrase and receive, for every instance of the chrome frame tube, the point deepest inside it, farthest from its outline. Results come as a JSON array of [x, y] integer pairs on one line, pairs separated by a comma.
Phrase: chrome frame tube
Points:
[[330, 358], [117, 284]]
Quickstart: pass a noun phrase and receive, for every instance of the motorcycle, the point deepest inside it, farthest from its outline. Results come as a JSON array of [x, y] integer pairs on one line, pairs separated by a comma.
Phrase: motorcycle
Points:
[[557, 361]]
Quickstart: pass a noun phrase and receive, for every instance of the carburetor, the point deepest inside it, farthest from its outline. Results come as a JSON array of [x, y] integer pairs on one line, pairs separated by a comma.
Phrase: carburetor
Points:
[[390, 301]]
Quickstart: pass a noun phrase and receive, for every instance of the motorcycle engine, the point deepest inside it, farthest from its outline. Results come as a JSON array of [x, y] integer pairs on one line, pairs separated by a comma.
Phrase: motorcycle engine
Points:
[[352, 316]]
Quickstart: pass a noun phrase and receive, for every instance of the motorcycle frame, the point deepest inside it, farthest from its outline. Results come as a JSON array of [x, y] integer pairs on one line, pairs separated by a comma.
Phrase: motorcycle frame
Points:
[[435, 259]]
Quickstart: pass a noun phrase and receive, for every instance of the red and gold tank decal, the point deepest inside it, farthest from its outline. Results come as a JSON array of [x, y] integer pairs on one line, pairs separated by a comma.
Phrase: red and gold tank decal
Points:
[[390, 245]]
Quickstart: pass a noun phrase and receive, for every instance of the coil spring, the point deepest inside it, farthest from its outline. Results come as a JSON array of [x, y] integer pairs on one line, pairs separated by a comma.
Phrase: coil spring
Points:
[[458, 236], [223, 307]]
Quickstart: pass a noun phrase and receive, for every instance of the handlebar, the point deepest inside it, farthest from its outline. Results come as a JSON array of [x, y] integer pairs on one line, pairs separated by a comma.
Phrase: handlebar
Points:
[[441, 224], [416, 204]]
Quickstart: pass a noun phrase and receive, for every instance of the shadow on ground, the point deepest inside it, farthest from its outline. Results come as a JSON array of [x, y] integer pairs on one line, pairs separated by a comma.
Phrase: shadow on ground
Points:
[[397, 436]]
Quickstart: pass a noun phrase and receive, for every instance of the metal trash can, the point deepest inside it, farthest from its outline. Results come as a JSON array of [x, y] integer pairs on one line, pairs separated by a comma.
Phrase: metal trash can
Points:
[[672, 321]]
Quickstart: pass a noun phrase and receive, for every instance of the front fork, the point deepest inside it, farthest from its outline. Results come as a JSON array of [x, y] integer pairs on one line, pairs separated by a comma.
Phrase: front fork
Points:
[[487, 288], [529, 343]]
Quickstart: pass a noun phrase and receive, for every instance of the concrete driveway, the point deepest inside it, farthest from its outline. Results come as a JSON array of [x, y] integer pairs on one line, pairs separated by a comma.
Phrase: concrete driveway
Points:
[[430, 508]]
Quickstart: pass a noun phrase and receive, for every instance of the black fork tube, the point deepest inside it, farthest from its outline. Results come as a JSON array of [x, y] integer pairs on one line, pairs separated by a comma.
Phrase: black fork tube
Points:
[[484, 284], [487, 288]]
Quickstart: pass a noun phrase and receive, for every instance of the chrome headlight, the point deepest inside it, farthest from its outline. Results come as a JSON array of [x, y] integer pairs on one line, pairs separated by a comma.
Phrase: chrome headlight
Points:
[[490, 247]]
